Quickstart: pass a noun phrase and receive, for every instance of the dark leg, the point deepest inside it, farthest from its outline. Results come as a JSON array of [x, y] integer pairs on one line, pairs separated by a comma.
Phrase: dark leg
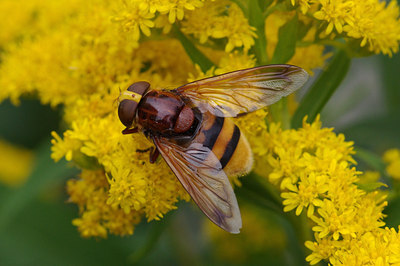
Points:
[[130, 130], [144, 150], [154, 153]]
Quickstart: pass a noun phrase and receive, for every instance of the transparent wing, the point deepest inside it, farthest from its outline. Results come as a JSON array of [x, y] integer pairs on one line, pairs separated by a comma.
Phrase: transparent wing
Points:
[[201, 174], [244, 91]]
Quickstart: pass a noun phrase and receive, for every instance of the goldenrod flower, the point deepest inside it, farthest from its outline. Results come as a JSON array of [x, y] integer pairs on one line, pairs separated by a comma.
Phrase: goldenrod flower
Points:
[[26, 19], [336, 13], [80, 54], [312, 167], [392, 158], [135, 19], [15, 163], [306, 194], [379, 247], [90, 193], [374, 23], [304, 4], [210, 22], [377, 25]]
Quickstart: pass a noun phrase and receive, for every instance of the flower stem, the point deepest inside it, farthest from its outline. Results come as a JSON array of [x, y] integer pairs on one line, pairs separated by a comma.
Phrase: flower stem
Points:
[[260, 193], [264, 195], [195, 54], [151, 242], [374, 161], [280, 113], [256, 19], [301, 229]]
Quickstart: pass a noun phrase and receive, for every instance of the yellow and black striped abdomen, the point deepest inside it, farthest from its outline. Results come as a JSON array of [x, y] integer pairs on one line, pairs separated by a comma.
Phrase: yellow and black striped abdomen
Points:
[[224, 138]]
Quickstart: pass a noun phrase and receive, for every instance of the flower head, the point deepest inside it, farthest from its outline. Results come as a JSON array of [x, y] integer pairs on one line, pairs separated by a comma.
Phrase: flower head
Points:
[[81, 54], [15, 163], [392, 158], [312, 166]]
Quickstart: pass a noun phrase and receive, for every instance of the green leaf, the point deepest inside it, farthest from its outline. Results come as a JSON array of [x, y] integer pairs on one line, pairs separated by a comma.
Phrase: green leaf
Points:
[[260, 193], [302, 30], [256, 19], [30, 113], [376, 133], [372, 159], [280, 113], [43, 233], [286, 45], [45, 175], [391, 80], [375, 162], [393, 214], [158, 227], [371, 186], [264, 4], [195, 54], [319, 94]]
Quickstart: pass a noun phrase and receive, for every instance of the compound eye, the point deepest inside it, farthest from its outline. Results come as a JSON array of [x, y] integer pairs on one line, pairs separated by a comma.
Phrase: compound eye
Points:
[[139, 87], [129, 101], [127, 112]]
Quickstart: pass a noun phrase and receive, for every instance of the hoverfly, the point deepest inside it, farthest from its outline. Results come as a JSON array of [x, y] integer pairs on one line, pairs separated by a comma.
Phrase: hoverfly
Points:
[[191, 127]]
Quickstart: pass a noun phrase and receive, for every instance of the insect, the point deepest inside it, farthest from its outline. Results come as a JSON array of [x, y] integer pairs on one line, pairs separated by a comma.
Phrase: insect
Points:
[[192, 128]]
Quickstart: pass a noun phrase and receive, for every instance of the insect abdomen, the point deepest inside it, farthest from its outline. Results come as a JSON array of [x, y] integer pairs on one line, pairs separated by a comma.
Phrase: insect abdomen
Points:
[[228, 143]]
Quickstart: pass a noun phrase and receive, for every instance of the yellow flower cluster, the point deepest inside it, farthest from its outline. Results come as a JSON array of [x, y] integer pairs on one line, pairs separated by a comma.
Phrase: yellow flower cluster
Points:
[[90, 192], [312, 167], [9, 154], [26, 19], [130, 184], [209, 22], [80, 54], [378, 247], [375, 24], [392, 158], [83, 63]]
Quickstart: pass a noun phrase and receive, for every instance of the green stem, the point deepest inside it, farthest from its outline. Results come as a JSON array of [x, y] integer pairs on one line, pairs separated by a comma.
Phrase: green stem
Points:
[[152, 240], [195, 54], [278, 7], [301, 229], [241, 6], [336, 43], [280, 113], [261, 193], [322, 89], [256, 19], [374, 161]]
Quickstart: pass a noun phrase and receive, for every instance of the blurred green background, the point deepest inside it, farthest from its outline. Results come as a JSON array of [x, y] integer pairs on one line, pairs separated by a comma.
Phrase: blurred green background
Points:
[[35, 217]]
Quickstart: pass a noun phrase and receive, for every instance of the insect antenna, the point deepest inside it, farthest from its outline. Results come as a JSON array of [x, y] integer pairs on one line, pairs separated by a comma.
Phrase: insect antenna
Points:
[[116, 101]]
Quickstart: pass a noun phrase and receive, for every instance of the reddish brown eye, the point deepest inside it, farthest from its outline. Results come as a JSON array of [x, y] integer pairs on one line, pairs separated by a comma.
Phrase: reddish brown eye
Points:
[[126, 112], [139, 87]]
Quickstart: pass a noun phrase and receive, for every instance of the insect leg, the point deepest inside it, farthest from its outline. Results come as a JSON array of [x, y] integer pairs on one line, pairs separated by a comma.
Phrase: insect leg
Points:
[[154, 153], [144, 150], [130, 130]]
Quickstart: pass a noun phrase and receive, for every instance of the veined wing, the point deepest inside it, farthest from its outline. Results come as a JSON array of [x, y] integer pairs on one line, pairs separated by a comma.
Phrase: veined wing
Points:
[[201, 174], [244, 91]]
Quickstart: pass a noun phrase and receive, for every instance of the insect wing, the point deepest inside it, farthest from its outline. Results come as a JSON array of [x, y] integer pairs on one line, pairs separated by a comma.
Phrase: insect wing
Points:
[[201, 174], [244, 91]]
